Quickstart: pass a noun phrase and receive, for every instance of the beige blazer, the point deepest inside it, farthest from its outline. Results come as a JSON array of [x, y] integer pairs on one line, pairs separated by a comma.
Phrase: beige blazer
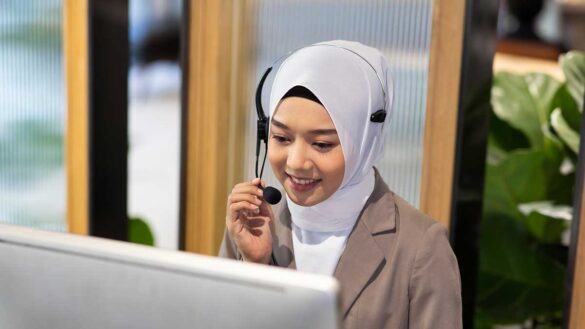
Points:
[[396, 271]]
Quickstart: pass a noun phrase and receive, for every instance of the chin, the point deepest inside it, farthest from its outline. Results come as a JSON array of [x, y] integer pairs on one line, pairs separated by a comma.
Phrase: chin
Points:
[[304, 201]]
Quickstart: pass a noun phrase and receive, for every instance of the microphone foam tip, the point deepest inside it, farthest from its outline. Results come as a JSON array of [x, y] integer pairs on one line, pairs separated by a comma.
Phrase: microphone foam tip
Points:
[[272, 195]]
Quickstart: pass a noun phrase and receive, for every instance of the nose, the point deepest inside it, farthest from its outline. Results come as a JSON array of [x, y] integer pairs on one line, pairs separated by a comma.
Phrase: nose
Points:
[[297, 159]]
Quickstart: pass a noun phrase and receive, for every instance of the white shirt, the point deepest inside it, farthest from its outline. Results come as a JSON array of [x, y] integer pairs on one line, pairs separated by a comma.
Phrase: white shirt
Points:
[[318, 252]]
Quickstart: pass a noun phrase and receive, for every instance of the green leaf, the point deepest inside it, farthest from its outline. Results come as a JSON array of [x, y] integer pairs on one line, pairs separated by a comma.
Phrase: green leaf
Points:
[[559, 185], [567, 135], [566, 103], [139, 232], [527, 176], [545, 220], [525, 102], [517, 179], [504, 138], [573, 66], [512, 302], [517, 280], [546, 229]]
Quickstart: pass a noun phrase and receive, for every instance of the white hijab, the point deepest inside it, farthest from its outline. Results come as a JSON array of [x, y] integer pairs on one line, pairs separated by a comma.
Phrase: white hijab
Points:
[[350, 89]]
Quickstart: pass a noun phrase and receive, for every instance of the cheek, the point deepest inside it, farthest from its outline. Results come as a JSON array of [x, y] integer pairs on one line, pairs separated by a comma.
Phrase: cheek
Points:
[[276, 156], [334, 166]]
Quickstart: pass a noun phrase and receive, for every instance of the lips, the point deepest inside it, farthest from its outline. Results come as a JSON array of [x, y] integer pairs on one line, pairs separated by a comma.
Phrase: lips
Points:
[[302, 181], [302, 184]]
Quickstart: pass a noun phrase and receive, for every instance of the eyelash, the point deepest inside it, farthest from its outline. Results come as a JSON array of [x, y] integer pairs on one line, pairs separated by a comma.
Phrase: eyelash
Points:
[[323, 146], [320, 146], [280, 139]]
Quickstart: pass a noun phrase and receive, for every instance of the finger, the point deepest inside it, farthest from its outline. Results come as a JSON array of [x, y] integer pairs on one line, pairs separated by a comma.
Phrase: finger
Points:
[[249, 189], [241, 206], [257, 222], [237, 197]]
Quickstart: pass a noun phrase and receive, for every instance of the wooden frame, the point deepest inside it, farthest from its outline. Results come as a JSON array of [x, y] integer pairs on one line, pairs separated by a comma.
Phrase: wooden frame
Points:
[[75, 29], [457, 129], [576, 269], [442, 109], [216, 106], [577, 313]]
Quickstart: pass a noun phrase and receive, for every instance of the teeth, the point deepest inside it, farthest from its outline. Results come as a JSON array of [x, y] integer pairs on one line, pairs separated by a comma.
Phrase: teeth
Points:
[[302, 181]]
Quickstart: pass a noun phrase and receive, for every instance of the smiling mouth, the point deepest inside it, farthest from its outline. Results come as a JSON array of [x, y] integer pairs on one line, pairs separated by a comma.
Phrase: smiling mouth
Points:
[[302, 184]]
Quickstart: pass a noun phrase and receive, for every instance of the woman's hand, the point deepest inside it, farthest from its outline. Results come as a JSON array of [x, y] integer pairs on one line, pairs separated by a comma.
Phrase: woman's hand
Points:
[[249, 221]]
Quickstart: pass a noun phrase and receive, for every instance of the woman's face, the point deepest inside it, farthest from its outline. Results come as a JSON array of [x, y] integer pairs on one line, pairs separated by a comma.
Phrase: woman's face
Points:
[[304, 151]]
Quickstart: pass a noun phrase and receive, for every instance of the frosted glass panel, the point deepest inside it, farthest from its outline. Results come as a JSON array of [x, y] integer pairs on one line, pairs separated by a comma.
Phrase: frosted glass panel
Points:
[[400, 29], [32, 110]]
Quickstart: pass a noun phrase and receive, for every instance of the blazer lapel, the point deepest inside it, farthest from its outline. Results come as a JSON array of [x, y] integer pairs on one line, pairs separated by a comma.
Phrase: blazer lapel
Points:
[[363, 258]]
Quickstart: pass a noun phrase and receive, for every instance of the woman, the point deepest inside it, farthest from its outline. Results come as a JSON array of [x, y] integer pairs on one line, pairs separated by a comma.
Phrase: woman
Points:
[[328, 109]]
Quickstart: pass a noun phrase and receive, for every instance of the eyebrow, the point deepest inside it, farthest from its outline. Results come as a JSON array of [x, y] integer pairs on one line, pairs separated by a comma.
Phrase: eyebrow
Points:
[[313, 132]]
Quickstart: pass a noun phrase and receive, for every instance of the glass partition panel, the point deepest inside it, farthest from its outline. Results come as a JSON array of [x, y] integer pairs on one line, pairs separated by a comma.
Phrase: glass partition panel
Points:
[[32, 111]]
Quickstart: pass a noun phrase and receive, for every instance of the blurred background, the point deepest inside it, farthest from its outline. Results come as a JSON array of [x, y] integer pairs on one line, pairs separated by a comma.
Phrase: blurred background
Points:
[[32, 114], [154, 109], [530, 104]]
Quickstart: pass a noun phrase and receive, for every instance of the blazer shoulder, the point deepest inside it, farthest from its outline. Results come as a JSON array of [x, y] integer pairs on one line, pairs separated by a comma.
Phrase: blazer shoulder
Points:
[[413, 220]]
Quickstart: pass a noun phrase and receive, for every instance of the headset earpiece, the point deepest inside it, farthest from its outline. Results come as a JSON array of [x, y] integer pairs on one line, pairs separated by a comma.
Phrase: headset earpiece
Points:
[[261, 126], [262, 123], [378, 116]]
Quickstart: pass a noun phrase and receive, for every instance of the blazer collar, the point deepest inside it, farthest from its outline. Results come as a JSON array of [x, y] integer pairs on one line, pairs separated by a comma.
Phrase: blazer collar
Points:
[[379, 211], [363, 257]]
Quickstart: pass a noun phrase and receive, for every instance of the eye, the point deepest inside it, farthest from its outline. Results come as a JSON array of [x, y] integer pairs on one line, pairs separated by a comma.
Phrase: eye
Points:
[[323, 146], [280, 139]]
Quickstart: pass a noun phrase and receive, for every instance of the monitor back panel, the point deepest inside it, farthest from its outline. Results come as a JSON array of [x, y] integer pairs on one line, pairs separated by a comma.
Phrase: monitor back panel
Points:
[[79, 282]]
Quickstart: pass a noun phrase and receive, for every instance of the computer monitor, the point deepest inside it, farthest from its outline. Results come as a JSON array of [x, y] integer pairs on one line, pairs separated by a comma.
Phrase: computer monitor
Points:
[[56, 280]]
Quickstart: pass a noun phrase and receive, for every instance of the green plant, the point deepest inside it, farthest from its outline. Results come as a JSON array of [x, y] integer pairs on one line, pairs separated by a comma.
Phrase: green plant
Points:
[[139, 232], [530, 174]]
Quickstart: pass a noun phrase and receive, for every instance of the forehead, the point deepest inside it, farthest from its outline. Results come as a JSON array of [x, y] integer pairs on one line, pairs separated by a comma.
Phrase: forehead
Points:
[[298, 112]]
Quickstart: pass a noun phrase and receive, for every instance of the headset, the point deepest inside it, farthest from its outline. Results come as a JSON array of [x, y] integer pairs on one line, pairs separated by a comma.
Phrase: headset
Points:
[[271, 194]]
